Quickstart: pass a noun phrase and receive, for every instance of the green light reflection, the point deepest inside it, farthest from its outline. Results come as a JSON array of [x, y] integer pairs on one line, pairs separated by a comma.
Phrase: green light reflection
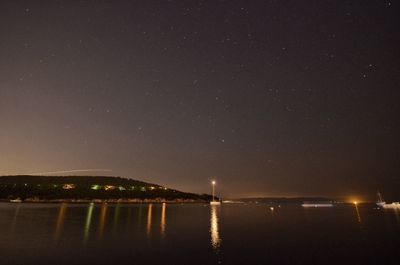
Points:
[[88, 221]]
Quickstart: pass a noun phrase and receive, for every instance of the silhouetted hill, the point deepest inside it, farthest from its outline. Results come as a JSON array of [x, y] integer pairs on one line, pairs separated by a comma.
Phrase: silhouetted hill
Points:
[[36, 188]]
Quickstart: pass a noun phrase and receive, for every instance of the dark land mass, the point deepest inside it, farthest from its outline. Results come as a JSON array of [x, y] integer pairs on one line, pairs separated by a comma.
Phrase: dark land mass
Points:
[[89, 188]]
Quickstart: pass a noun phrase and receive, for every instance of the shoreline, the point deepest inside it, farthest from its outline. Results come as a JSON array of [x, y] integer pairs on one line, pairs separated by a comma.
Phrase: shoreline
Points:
[[101, 201]]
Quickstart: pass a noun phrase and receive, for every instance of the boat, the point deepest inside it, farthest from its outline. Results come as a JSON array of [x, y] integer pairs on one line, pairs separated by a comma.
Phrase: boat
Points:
[[380, 202], [383, 204], [16, 200], [214, 202]]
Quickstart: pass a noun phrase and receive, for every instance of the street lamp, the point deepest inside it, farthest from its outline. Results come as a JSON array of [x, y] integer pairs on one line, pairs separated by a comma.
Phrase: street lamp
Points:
[[213, 187]]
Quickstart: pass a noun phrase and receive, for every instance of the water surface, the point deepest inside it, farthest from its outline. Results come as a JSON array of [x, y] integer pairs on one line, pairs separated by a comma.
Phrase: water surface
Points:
[[197, 234]]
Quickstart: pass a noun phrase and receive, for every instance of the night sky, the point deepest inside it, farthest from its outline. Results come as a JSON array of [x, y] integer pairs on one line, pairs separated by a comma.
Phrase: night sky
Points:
[[270, 98]]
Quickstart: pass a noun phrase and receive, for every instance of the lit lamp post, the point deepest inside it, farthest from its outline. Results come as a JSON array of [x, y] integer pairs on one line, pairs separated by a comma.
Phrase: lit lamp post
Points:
[[213, 202], [213, 187]]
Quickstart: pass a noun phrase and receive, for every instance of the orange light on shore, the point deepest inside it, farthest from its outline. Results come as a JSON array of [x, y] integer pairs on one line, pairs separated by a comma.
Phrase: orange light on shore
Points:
[[109, 187], [68, 186], [355, 199]]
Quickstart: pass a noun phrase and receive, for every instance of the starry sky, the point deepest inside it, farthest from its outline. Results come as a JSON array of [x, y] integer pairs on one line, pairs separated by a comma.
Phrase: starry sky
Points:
[[270, 98]]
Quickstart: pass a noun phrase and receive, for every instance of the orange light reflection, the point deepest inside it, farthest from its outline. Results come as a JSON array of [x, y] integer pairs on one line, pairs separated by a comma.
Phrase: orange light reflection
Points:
[[164, 205], [149, 216], [102, 221], [215, 239], [60, 221]]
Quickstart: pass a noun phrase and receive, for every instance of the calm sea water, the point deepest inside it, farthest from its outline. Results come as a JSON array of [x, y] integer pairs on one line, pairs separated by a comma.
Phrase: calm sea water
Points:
[[197, 234]]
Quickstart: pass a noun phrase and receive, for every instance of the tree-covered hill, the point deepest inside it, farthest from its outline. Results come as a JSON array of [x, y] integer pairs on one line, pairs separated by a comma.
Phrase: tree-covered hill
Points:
[[27, 187]]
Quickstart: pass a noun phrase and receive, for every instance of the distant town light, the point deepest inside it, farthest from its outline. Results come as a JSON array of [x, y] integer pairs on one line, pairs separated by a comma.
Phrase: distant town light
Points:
[[68, 186], [95, 187], [109, 187]]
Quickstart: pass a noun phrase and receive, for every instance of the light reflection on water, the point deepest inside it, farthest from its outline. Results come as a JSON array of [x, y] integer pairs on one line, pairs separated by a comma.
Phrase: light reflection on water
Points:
[[149, 219], [116, 217], [87, 223], [162, 224], [397, 214], [394, 211], [357, 212], [60, 221], [14, 220], [215, 238], [102, 219]]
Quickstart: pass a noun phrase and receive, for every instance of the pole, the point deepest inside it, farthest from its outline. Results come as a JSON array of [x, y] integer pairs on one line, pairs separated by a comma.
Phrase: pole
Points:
[[213, 184]]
